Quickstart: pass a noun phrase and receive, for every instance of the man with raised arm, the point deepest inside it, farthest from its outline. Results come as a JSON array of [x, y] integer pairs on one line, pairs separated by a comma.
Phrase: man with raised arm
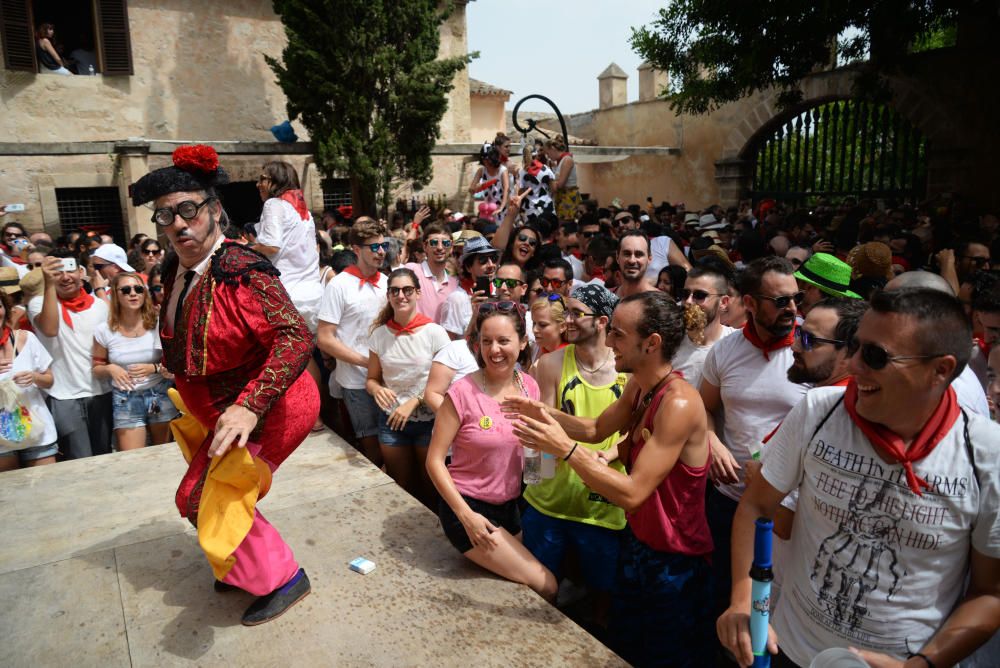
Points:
[[661, 614]]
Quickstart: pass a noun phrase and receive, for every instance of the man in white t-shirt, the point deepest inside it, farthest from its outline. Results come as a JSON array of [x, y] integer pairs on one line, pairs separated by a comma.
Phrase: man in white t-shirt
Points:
[[745, 388], [479, 260], [65, 318], [707, 288], [897, 533], [351, 301]]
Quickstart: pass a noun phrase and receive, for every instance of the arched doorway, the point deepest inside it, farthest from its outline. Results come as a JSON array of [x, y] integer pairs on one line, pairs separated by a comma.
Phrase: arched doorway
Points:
[[837, 149]]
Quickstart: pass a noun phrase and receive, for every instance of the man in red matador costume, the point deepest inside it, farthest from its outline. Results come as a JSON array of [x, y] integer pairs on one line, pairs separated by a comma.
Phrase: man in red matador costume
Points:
[[238, 349]]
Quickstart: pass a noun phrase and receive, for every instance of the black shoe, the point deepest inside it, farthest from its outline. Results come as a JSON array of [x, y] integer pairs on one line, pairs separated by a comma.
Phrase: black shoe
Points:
[[224, 587], [275, 604]]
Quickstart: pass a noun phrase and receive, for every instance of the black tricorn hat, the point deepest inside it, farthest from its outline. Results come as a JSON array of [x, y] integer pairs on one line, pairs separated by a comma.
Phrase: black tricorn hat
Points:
[[195, 168]]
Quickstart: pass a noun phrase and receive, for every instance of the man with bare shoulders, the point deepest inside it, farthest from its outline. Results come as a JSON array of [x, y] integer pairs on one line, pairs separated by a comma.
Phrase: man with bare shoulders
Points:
[[661, 614], [633, 260]]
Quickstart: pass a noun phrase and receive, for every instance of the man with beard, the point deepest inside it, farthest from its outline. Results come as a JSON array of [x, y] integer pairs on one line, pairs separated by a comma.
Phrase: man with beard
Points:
[[744, 379], [238, 349], [706, 288], [660, 613], [579, 379], [435, 283], [479, 260], [633, 259]]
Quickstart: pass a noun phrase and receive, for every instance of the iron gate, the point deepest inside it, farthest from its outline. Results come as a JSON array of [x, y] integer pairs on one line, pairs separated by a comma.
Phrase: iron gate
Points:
[[836, 149]]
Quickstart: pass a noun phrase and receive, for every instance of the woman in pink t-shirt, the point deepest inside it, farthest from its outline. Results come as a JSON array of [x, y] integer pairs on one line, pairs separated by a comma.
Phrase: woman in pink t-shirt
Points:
[[480, 488]]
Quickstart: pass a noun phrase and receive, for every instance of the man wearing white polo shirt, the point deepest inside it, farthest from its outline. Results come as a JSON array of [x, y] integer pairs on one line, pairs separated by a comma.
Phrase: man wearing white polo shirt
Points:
[[351, 301]]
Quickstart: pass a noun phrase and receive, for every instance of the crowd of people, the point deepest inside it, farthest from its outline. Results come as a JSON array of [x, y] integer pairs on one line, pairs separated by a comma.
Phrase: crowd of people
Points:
[[597, 399]]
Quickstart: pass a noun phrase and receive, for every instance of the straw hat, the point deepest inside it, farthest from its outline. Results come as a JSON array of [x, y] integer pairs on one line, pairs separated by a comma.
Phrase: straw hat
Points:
[[32, 284], [10, 282], [873, 259]]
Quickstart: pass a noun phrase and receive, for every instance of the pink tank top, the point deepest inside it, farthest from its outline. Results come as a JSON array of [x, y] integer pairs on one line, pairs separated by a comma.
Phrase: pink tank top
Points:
[[673, 518]]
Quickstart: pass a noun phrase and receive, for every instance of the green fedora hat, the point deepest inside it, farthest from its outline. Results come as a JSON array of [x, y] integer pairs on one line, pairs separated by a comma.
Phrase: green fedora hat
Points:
[[829, 274]]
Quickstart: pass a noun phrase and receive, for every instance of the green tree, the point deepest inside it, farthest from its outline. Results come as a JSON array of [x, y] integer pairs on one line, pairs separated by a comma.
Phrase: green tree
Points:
[[719, 52], [364, 77]]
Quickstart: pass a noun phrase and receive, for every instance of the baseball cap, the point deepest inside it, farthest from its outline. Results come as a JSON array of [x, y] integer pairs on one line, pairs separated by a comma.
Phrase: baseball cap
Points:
[[115, 255]]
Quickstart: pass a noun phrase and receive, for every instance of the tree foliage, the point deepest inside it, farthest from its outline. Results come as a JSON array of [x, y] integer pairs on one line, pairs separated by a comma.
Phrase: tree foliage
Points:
[[719, 52], [364, 77]]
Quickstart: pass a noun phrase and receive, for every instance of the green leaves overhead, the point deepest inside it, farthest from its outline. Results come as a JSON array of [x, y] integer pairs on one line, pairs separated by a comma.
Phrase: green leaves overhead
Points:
[[364, 78]]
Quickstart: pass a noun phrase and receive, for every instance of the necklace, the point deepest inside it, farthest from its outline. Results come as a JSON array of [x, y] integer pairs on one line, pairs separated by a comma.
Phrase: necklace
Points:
[[595, 369], [517, 382]]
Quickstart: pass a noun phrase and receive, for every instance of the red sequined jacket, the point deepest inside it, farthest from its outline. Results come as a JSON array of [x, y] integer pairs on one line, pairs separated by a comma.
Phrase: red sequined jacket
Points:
[[239, 337]]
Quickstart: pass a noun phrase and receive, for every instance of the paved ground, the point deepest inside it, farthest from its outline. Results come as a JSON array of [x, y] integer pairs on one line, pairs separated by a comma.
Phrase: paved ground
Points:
[[97, 568]]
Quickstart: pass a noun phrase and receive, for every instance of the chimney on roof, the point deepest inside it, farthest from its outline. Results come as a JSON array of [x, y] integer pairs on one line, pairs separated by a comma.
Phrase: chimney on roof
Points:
[[612, 87], [652, 82]]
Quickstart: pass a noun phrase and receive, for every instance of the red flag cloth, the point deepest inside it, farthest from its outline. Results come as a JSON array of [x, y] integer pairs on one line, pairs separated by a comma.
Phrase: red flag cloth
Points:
[[81, 302], [750, 332], [298, 202], [890, 445], [354, 271], [419, 320]]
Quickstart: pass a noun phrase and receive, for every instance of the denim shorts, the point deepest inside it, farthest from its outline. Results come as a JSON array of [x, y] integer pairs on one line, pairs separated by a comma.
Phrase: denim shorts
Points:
[[363, 411], [138, 408], [413, 433], [25, 455], [549, 538]]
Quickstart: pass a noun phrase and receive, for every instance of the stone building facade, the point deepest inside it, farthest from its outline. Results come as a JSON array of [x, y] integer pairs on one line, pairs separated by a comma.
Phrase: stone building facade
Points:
[[198, 75]]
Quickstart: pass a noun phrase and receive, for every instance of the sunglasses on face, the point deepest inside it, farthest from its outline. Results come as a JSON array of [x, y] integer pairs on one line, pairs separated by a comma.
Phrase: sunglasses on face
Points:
[[127, 289], [407, 290], [35, 265], [155, 289], [576, 314], [784, 300], [152, 251], [444, 243], [524, 238], [15, 235], [187, 210], [384, 247], [590, 235], [877, 358], [98, 267], [511, 283], [808, 340], [977, 260], [696, 295], [500, 307], [554, 283], [483, 259]]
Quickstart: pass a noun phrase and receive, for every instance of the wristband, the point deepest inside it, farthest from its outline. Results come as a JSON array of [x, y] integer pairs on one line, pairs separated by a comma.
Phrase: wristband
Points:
[[930, 664], [571, 451]]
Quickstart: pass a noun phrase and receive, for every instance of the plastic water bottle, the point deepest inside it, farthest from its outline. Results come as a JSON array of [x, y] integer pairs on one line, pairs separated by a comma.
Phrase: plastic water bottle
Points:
[[548, 466], [90, 70], [532, 467]]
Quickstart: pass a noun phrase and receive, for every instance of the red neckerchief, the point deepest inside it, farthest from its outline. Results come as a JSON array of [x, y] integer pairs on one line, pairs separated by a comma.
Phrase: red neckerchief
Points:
[[890, 446], [503, 159], [534, 168], [598, 272], [559, 347], [486, 185], [354, 271], [5, 337], [750, 333], [468, 284], [984, 347], [298, 202], [564, 155], [419, 320], [14, 257], [81, 302]]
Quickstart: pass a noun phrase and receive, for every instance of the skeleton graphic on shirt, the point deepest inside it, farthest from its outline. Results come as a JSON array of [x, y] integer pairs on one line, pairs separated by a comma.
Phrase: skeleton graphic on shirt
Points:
[[849, 561]]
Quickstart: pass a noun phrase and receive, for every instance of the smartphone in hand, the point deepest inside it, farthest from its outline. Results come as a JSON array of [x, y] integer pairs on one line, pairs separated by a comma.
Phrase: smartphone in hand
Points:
[[482, 285]]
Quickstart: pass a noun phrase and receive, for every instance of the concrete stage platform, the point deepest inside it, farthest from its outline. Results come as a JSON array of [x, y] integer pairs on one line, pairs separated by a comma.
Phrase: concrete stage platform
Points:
[[97, 569]]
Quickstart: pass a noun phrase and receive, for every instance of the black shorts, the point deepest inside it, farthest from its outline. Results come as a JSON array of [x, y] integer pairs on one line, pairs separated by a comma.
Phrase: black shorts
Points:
[[504, 515]]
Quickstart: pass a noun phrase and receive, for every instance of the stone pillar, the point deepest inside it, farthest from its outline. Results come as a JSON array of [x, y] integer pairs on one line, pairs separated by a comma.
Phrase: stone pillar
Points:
[[733, 177], [133, 164], [613, 87], [652, 82]]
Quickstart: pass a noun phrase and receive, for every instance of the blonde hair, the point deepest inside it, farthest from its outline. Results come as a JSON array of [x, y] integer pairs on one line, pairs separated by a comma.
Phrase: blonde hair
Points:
[[695, 322], [558, 143], [556, 308], [147, 312]]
